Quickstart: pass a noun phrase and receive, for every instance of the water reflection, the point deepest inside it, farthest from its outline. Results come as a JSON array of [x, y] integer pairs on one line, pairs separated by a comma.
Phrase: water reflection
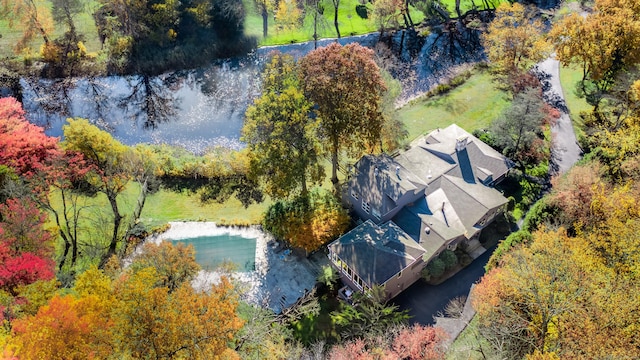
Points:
[[205, 107], [194, 109]]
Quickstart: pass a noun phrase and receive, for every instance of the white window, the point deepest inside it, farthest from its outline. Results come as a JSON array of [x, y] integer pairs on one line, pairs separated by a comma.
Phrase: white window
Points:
[[354, 194], [366, 207]]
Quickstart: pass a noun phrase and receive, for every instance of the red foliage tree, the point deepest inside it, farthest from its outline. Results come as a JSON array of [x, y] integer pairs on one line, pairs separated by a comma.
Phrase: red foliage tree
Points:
[[419, 342], [25, 245], [22, 269], [23, 146]]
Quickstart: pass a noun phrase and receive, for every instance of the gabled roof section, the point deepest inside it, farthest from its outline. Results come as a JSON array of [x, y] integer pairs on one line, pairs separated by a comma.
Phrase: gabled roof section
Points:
[[381, 181], [427, 226], [470, 201], [468, 152], [377, 252], [424, 164]]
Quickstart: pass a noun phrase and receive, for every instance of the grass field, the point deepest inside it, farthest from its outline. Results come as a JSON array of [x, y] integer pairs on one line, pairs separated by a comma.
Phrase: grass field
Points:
[[349, 23], [569, 77], [165, 206], [84, 23], [472, 105]]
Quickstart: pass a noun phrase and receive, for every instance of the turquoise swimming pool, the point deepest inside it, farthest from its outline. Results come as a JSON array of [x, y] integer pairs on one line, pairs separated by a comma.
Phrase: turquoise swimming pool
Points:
[[212, 251]]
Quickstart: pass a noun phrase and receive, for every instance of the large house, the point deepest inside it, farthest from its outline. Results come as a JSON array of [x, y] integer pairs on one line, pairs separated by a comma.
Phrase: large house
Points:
[[435, 196]]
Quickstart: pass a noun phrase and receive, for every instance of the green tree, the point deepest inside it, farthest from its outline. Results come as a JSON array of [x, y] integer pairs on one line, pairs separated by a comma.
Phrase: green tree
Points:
[[336, 7], [265, 6], [519, 130], [347, 88], [370, 315], [280, 134]]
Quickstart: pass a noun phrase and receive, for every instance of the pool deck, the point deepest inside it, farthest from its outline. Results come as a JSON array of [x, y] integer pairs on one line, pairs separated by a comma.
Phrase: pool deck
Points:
[[280, 277]]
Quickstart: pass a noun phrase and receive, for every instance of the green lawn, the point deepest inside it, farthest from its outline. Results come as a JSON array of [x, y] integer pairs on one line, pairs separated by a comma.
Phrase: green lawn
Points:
[[165, 206], [466, 5], [349, 23], [472, 105], [468, 345], [84, 23], [569, 77]]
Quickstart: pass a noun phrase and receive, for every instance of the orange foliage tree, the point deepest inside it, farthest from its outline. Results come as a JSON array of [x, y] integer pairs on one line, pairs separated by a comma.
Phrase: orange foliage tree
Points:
[[415, 342], [307, 222], [65, 328]]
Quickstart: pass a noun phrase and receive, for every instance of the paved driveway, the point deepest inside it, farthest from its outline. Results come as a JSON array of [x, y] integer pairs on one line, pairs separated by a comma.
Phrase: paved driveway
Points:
[[565, 151], [425, 301]]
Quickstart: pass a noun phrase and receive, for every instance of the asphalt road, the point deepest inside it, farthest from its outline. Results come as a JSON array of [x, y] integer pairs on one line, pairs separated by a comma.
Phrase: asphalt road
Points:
[[424, 301], [565, 151]]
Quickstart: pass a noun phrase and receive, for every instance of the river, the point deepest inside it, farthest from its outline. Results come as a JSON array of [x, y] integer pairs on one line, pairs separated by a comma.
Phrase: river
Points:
[[205, 107]]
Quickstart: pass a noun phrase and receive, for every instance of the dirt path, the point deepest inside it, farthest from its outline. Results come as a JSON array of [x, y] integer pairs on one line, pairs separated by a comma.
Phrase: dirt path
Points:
[[565, 150]]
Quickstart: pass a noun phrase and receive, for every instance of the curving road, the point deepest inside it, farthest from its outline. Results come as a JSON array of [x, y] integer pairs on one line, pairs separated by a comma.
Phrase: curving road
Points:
[[565, 151]]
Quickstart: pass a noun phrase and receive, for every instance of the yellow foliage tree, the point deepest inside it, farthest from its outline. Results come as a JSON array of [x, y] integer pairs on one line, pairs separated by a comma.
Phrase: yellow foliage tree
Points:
[[514, 41], [152, 322], [603, 43]]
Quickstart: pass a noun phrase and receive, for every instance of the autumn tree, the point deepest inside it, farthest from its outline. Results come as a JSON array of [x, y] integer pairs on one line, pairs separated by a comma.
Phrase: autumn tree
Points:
[[65, 328], [514, 41], [111, 177], [174, 264], [387, 13], [346, 86], [603, 43], [280, 133], [24, 147], [419, 342], [288, 14], [549, 295], [33, 17], [152, 322], [25, 245], [520, 305], [307, 222]]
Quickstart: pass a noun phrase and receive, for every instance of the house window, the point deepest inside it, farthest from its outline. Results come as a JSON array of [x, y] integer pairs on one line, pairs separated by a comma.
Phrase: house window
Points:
[[354, 194], [349, 273], [400, 274], [375, 213], [366, 207], [483, 221]]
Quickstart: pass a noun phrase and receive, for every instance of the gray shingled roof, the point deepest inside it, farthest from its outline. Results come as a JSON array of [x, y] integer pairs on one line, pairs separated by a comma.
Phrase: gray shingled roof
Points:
[[383, 188], [377, 252], [455, 200], [475, 155]]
